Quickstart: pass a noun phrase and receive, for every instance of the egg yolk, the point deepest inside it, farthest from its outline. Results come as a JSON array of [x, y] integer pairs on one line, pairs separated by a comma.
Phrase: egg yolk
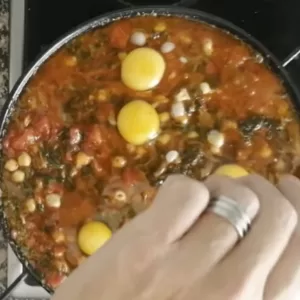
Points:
[[232, 170], [92, 236], [138, 122], [142, 69]]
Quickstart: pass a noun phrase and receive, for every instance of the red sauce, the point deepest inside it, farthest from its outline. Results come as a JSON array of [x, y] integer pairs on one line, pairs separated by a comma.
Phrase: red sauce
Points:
[[70, 107]]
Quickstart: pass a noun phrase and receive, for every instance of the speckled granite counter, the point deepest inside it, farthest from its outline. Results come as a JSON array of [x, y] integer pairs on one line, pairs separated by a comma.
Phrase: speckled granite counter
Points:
[[3, 96]]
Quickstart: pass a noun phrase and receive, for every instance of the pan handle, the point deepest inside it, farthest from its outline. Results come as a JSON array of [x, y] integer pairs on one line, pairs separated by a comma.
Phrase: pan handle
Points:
[[291, 57], [10, 288]]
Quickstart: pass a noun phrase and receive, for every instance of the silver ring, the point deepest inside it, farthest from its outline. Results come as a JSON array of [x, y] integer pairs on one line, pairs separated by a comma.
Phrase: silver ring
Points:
[[232, 212]]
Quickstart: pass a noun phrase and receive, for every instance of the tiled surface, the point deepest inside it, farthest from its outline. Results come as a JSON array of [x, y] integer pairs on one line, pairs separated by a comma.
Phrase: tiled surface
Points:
[[3, 50], [3, 96]]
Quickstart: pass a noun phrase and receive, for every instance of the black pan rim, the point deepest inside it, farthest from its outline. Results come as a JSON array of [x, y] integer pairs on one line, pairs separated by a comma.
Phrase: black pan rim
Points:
[[105, 19]]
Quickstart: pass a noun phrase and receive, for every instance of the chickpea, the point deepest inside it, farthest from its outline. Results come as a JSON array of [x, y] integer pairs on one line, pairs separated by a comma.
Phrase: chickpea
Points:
[[27, 120], [59, 236], [172, 156], [82, 160], [11, 165], [71, 61], [192, 135], [167, 47], [62, 266], [131, 148], [185, 39], [178, 110], [31, 205], [208, 47], [24, 160], [229, 124], [183, 59], [172, 75], [164, 139], [160, 27], [216, 138], [53, 200], [18, 176], [91, 97], [120, 196], [140, 152], [119, 162], [265, 151], [164, 117], [205, 88], [102, 95], [59, 251], [122, 55]]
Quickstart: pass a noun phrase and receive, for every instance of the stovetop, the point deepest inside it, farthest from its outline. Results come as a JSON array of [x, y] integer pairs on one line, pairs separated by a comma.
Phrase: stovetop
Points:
[[36, 24]]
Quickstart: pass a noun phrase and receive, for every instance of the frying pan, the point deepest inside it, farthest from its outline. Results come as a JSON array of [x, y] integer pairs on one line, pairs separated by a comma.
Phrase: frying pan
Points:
[[101, 21]]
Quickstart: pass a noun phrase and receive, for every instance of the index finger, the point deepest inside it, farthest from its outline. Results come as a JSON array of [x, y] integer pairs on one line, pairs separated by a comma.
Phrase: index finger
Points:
[[179, 203]]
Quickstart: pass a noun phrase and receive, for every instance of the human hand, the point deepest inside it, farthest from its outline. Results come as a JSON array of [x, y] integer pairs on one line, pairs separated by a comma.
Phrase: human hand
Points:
[[176, 250]]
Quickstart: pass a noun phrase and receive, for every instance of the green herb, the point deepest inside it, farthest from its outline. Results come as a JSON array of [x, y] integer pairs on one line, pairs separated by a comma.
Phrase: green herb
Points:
[[40, 207], [52, 156], [27, 189], [254, 123]]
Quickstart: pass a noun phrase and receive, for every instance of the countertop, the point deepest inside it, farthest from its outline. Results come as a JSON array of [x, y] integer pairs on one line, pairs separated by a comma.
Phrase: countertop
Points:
[[3, 96]]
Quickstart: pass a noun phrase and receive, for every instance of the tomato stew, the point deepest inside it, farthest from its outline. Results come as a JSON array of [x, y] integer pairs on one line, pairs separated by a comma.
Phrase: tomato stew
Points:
[[108, 117]]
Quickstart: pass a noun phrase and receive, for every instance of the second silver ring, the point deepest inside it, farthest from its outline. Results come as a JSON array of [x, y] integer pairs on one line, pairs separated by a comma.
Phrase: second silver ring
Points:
[[230, 210]]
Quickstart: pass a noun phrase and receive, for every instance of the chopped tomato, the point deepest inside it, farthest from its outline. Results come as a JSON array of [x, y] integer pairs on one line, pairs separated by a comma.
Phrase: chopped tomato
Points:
[[101, 139], [42, 127], [54, 279], [46, 128], [69, 111], [120, 34], [18, 141], [94, 135], [75, 209]]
